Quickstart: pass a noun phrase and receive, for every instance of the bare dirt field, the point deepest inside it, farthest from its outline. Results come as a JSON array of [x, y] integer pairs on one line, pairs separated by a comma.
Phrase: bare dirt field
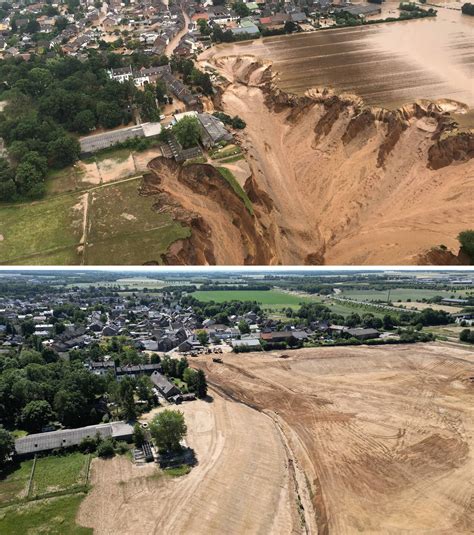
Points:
[[384, 434], [242, 483]]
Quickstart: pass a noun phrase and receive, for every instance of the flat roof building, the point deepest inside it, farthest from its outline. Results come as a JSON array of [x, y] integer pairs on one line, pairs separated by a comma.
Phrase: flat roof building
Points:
[[66, 438]]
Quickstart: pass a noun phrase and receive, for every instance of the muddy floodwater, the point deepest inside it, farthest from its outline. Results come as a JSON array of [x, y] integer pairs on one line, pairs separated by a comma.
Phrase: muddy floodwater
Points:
[[386, 64]]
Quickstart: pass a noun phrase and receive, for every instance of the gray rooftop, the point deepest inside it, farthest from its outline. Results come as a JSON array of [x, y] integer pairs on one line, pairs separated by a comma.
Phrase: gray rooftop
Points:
[[65, 438]]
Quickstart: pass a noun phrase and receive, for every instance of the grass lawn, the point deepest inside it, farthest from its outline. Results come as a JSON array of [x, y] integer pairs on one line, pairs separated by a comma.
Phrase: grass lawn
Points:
[[13, 485], [55, 516], [178, 471], [231, 180], [59, 472], [63, 180], [125, 229], [271, 298], [51, 227]]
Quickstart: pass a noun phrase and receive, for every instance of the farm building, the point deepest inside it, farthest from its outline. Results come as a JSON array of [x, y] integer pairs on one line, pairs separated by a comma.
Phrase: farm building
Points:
[[363, 334], [165, 387], [250, 343], [212, 130], [66, 438], [97, 142]]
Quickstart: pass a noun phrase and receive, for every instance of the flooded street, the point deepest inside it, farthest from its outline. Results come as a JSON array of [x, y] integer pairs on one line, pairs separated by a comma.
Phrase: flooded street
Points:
[[388, 64]]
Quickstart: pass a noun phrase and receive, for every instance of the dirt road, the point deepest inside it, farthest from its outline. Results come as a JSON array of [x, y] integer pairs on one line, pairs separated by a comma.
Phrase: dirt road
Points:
[[385, 435], [242, 483], [177, 38]]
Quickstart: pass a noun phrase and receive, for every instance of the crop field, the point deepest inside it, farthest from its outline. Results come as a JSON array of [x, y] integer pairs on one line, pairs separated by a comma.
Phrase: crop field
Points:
[[384, 435], [109, 224], [402, 294], [267, 298]]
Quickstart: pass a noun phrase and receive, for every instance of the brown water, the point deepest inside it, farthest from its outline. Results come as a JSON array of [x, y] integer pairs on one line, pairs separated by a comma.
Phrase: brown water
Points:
[[387, 65]]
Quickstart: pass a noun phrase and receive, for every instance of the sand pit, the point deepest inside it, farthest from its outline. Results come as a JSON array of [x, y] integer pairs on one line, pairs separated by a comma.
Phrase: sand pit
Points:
[[385, 435], [240, 485], [346, 184]]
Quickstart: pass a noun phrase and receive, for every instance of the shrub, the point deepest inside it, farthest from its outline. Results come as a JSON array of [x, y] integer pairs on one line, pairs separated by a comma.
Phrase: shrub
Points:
[[106, 448]]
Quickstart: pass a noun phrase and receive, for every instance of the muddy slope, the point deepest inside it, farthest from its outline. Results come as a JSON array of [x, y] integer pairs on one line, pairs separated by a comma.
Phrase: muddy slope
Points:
[[223, 230], [343, 183]]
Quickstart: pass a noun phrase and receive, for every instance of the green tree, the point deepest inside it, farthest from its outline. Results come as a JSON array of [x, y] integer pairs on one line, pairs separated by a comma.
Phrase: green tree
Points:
[[203, 337], [168, 428], [466, 239], [187, 132], [109, 114], [244, 327], [241, 9], [189, 377], [466, 335], [84, 122], [106, 448], [35, 415], [126, 396], [63, 151], [138, 435], [29, 180], [144, 388], [7, 445], [201, 384], [181, 367]]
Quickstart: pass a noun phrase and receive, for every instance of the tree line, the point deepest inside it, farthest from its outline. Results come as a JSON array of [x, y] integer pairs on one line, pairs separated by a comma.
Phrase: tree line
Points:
[[50, 103]]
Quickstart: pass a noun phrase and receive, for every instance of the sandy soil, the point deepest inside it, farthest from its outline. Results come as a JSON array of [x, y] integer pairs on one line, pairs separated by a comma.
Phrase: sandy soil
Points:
[[112, 169], [89, 173], [385, 435], [333, 202], [143, 158], [242, 483], [435, 306]]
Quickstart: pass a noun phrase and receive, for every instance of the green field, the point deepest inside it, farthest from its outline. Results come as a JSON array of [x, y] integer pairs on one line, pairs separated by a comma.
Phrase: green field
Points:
[[267, 298], [13, 486], [57, 473], [54, 516], [31, 232], [400, 294], [125, 229], [121, 228], [232, 181]]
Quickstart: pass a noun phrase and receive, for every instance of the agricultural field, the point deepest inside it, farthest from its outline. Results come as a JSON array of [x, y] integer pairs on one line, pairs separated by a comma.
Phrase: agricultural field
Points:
[[402, 294], [384, 435], [109, 224], [266, 298]]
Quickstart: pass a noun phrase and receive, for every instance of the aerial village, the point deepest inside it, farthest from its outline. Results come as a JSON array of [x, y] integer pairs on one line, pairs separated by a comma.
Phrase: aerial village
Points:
[[155, 45], [128, 337]]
